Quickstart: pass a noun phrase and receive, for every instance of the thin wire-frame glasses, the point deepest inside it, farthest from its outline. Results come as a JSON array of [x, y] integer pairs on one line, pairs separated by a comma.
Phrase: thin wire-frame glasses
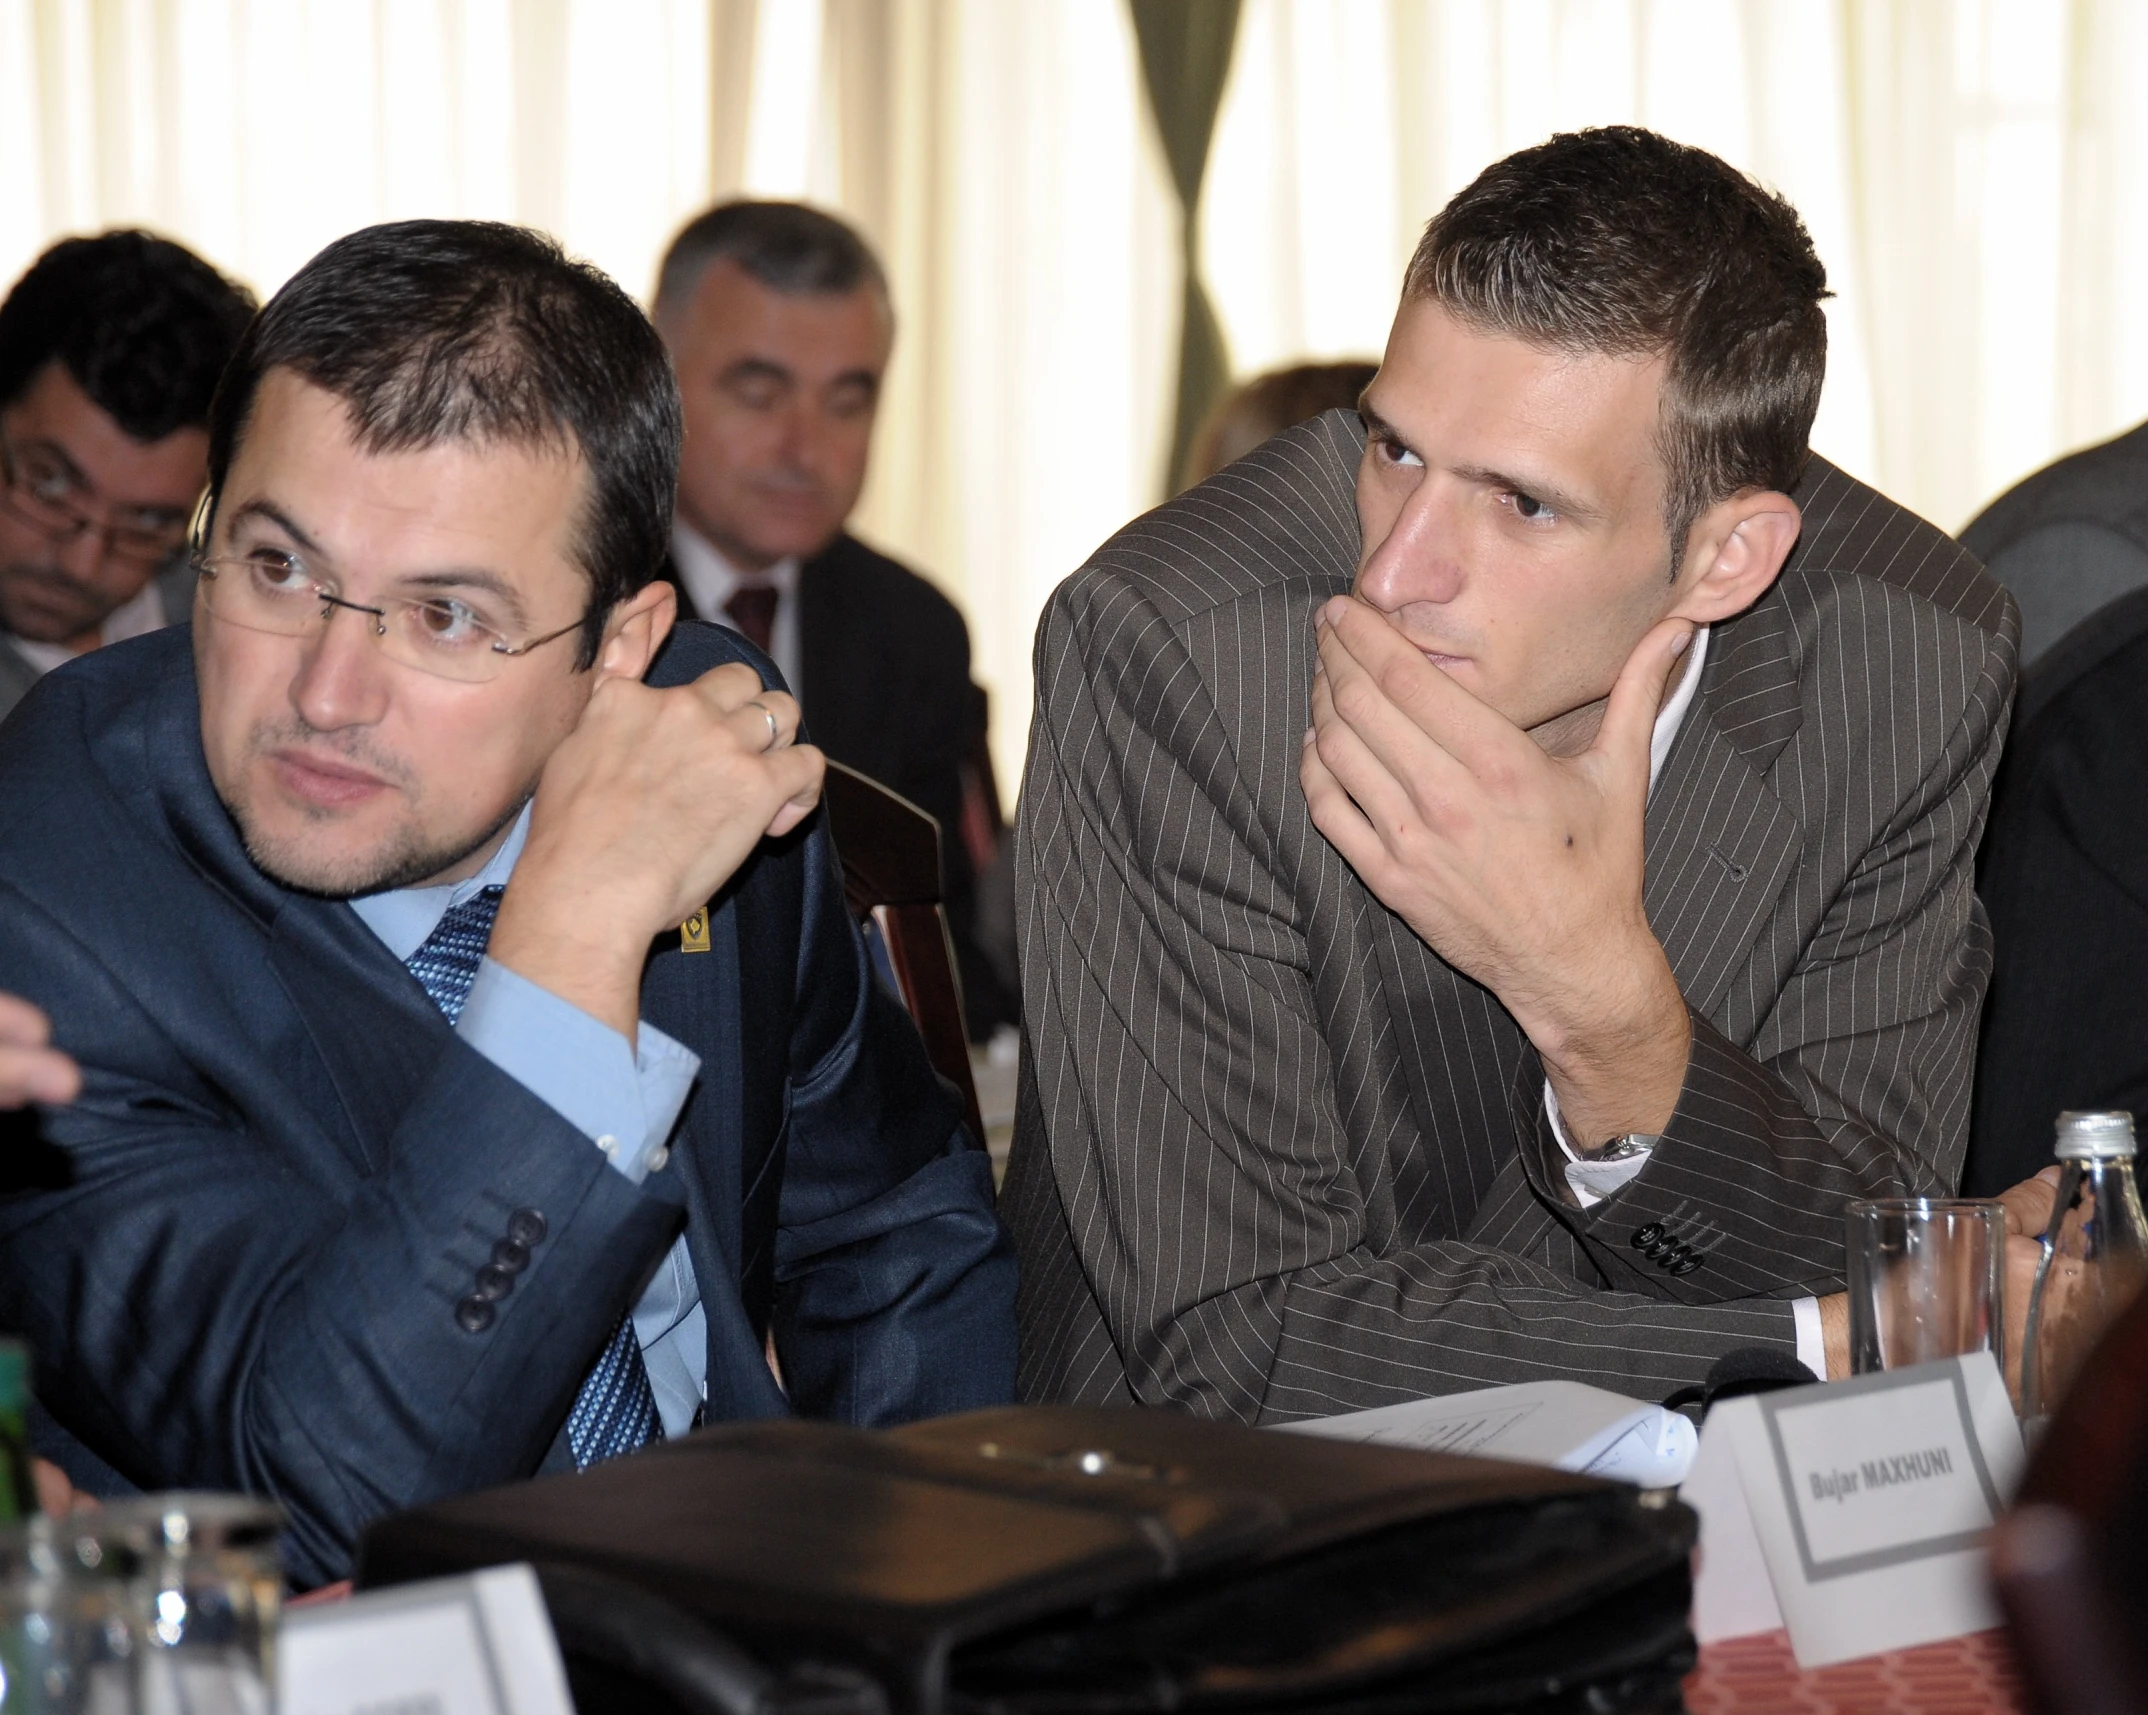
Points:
[[275, 594], [40, 500]]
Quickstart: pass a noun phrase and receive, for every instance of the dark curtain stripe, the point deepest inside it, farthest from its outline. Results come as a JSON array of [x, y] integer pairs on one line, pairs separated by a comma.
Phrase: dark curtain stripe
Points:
[[1185, 57]]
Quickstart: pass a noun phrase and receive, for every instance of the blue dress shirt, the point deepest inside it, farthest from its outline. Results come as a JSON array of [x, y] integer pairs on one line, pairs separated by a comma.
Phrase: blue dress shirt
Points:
[[626, 1099]]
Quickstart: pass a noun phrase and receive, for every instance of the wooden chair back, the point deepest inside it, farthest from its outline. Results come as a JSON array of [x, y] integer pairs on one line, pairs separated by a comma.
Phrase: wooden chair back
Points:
[[890, 851]]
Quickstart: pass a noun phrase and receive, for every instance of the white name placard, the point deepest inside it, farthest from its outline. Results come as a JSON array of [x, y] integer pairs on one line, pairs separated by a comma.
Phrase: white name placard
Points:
[[479, 1645], [1856, 1511]]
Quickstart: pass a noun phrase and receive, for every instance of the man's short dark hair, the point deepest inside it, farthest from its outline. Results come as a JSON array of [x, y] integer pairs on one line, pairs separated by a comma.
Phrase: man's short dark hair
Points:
[[142, 325], [788, 247], [432, 331], [1620, 241]]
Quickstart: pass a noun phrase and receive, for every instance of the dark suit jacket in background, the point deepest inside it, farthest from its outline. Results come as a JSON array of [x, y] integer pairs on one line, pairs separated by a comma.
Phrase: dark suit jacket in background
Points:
[[885, 660], [2065, 877], [1275, 1158], [287, 1168], [2070, 538]]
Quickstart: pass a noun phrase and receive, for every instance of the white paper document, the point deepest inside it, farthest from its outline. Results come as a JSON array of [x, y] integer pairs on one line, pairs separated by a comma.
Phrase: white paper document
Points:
[[1855, 1512], [1568, 1425], [479, 1645]]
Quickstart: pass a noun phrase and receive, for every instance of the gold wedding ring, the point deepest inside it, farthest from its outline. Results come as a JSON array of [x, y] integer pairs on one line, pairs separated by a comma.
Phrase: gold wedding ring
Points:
[[774, 731]]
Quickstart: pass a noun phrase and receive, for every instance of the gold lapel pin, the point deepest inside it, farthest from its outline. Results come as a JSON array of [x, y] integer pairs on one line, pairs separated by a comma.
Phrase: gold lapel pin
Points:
[[694, 932]]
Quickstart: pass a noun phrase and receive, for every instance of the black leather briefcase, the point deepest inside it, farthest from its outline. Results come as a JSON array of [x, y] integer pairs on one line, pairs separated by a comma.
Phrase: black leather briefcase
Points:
[[1061, 1561]]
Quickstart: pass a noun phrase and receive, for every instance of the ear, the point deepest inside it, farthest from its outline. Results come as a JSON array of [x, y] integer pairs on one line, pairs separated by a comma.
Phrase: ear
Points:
[[636, 629], [1734, 553]]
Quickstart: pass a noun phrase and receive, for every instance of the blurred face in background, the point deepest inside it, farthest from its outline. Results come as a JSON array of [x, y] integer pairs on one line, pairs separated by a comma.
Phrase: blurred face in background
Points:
[[88, 513], [780, 392]]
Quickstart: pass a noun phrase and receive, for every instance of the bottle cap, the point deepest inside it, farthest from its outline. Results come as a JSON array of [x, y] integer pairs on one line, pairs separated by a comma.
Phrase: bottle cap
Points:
[[2095, 1136], [14, 1375]]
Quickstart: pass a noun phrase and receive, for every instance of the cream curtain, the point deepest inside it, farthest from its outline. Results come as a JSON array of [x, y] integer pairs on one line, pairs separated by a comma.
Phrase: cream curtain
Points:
[[1975, 173], [257, 130]]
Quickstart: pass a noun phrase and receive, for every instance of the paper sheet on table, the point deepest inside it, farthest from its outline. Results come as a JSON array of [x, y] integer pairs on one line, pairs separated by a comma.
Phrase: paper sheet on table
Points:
[[1565, 1424]]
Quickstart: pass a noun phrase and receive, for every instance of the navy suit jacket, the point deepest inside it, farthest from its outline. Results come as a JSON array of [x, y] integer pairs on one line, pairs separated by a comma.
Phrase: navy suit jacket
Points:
[[286, 1169]]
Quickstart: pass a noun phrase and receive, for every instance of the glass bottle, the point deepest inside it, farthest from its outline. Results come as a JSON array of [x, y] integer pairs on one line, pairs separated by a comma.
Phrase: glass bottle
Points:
[[18, 1486], [2095, 1257]]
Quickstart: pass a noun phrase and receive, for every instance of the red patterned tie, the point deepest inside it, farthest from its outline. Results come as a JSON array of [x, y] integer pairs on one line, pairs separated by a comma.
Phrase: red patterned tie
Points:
[[752, 608]]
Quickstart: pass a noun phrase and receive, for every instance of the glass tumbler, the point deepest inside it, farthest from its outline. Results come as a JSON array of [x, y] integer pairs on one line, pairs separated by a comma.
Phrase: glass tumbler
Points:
[[204, 1576], [1925, 1277], [34, 1677], [68, 1639]]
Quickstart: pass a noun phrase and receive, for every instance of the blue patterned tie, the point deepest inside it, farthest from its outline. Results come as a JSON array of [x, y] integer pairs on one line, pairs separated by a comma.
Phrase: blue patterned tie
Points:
[[615, 1412]]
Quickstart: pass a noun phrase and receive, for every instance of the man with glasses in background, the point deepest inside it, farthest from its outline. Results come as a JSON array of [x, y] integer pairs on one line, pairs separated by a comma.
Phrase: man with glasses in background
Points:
[[109, 351], [481, 1071]]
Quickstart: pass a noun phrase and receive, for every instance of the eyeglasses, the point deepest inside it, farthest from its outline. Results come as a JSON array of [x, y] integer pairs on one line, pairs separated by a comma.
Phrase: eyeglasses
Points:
[[271, 591], [41, 494]]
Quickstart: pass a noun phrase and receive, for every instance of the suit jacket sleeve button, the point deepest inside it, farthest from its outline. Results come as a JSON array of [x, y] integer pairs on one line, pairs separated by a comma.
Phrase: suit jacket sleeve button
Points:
[[527, 1227], [512, 1257], [1687, 1263], [494, 1281], [475, 1315], [1648, 1235]]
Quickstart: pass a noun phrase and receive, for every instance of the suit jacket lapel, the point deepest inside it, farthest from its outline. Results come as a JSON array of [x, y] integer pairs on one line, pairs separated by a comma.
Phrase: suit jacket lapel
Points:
[[1721, 844], [372, 1025], [1720, 848], [373, 1032], [825, 672], [693, 998]]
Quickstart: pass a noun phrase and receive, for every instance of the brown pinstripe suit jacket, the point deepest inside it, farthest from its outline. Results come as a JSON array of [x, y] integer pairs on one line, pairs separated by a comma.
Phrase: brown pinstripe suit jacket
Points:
[[1274, 1158]]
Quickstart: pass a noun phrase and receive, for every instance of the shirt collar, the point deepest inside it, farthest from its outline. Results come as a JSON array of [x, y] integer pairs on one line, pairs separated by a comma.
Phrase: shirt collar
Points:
[[710, 579], [1672, 715], [405, 917]]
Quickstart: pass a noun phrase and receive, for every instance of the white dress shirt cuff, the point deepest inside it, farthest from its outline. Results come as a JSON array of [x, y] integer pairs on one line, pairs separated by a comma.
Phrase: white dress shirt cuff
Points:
[[1590, 1181], [625, 1101], [1811, 1344]]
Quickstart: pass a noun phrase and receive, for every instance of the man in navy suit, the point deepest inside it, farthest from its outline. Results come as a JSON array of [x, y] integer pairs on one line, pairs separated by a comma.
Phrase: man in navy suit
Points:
[[481, 1073]]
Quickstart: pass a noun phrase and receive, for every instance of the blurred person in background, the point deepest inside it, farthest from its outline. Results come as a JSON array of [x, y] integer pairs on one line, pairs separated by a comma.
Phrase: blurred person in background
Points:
[[110, 348], [780, 327], [1258, 410], [2068, 539], [2061, 870], [2064, 874]]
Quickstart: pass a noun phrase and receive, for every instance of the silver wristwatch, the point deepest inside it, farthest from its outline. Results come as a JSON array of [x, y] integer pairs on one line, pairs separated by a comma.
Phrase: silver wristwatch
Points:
[[1625, 1145]]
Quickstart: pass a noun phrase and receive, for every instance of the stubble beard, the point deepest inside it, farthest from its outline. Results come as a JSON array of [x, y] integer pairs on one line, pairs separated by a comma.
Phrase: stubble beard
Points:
[[406, 857]]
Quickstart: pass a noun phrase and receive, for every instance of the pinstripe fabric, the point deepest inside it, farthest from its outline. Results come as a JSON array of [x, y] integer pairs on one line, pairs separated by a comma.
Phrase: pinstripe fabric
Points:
[[1274, 1158]]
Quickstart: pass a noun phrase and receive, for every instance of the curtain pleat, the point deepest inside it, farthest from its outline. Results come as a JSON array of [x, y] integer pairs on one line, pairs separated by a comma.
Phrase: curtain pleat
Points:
[[1185, 58]]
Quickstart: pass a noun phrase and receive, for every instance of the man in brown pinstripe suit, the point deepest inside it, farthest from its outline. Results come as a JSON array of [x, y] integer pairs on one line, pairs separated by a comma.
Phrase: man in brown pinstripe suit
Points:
[[1537, 1009]]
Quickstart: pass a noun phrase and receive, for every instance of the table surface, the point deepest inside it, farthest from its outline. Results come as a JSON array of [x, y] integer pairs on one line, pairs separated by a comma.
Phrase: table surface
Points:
[[1758, 1675]]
